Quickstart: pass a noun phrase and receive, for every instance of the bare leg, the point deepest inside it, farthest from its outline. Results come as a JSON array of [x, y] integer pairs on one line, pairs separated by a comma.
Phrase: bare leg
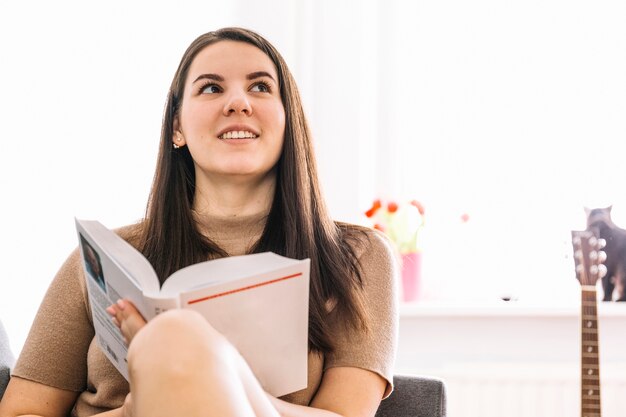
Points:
[[180, 366]]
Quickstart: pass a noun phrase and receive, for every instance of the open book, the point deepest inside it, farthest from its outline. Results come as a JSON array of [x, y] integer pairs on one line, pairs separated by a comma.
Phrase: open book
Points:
[[259, 302]]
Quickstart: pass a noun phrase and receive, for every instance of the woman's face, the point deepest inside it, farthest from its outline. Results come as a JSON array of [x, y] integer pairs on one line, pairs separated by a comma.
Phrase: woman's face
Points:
[[232, 117]]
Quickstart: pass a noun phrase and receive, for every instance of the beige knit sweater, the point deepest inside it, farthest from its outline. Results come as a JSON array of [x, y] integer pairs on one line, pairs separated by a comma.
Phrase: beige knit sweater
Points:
[[61, 350]]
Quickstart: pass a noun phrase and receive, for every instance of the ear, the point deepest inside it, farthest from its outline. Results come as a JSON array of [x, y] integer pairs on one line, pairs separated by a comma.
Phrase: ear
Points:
[[587, 211], [178, 138]]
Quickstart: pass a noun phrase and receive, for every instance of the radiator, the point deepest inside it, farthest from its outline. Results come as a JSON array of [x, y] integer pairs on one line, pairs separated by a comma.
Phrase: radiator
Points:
[[526, 390]]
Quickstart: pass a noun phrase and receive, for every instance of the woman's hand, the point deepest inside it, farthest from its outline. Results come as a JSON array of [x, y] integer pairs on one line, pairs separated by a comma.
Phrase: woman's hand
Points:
[[126, 317]]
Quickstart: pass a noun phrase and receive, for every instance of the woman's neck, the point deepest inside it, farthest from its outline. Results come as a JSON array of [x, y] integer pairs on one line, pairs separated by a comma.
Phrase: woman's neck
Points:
[[231, 198]]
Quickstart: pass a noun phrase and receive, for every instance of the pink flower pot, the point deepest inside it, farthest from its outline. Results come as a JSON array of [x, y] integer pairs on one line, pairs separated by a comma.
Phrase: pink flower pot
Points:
[[411, 271]]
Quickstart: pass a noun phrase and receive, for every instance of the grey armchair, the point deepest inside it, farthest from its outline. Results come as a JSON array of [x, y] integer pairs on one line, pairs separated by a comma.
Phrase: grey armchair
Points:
[[415, 396], [6, 360], [412, 397]]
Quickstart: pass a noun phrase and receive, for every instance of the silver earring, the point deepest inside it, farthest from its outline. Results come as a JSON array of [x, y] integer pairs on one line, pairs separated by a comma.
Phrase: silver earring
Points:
[[176, 146]]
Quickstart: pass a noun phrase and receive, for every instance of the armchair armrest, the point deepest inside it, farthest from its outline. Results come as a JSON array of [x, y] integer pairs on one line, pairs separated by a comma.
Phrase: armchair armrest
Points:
[[415, 396], [6, 360]]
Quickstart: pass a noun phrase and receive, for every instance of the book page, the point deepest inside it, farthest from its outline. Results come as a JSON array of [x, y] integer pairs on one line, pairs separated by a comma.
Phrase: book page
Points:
[[104, 289], [107, 281], [218, 270], [264, 315], [128, 260]]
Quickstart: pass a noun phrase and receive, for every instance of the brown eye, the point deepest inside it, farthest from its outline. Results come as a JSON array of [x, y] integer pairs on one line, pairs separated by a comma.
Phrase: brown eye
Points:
[[261, 87], [210, 89]]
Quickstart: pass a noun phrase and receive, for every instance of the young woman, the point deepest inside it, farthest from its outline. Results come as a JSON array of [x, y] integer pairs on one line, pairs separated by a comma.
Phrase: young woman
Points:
[[235, 175]]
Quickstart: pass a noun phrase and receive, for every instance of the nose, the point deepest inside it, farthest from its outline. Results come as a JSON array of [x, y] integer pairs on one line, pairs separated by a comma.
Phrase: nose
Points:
[[237, 103]]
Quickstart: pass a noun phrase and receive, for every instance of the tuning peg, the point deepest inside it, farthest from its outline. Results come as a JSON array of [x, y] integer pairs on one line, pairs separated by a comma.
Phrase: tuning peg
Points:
[[593, 255], [579, 269], [601, 271], [593, 269], [593, 241], [578, 254], [601, 256], [576, 240], [601, 243]]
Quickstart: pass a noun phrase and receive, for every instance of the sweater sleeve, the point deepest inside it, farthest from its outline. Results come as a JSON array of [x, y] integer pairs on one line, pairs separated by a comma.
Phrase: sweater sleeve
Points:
[[55, 351], [373, 350]]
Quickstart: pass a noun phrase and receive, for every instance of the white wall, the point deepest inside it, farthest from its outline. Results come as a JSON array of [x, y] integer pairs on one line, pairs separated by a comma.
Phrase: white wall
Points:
[[83, 87], [511, 111]]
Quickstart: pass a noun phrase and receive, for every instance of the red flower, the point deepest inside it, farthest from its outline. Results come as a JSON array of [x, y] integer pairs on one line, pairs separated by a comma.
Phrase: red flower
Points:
[[375, 206], [419, 206], [465, 217], [392, 207], [371, 212]]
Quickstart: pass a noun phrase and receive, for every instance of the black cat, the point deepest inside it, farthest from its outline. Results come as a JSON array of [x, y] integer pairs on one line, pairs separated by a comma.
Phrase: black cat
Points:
[[614, 282]]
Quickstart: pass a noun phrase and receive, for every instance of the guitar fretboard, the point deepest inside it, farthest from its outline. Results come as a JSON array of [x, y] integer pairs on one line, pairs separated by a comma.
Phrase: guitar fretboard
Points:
[[590, 361]]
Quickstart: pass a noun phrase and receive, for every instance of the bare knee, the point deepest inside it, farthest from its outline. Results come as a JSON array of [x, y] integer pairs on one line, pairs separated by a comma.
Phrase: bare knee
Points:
[[177, 343]]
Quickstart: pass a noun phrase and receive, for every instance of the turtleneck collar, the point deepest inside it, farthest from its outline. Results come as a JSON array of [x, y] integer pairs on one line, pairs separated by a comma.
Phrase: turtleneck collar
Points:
[[235, 234]]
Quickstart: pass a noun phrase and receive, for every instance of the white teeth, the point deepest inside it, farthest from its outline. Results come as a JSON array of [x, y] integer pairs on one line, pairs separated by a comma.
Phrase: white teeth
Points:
[[242, 134]]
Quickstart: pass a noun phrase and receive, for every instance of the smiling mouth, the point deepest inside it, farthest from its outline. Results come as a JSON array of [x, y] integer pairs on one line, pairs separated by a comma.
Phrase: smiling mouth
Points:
[[241, 134]]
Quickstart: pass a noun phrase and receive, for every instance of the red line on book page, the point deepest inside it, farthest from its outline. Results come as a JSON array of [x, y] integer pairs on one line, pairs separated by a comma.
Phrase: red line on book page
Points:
[[249, 287]]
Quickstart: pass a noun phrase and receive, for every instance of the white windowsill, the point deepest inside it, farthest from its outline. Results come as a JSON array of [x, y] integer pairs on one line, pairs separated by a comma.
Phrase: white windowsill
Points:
[[503, 309]]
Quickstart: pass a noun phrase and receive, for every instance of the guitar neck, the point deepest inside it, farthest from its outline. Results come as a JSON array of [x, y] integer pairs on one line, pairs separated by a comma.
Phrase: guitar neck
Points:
[[590, 354]]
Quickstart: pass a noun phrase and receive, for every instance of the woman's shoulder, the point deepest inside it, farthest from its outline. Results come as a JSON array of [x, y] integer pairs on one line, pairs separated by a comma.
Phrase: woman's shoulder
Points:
[[366, 242]]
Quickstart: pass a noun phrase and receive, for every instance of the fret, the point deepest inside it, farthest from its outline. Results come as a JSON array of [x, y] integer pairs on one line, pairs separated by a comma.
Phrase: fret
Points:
[[590, 382], [589, 303]]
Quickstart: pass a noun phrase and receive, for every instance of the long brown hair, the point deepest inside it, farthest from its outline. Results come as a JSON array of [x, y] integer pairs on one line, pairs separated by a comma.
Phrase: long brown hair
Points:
[[298, 224]]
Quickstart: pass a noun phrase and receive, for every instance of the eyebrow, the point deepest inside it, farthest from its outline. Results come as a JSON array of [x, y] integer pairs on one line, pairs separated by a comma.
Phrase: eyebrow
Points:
[[217, 77], [259, 74], [214, 77]]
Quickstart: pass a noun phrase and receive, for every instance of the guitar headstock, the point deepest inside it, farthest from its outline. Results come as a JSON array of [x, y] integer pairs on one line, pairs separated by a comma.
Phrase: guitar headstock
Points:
[[588, 257]]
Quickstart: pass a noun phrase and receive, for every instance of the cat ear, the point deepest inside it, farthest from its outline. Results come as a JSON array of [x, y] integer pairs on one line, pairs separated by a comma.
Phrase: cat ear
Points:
[[609, 208]]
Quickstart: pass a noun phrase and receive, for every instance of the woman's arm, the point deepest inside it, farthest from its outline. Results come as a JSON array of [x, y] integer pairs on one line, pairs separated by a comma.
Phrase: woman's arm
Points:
[[25, 398], [344, 391]]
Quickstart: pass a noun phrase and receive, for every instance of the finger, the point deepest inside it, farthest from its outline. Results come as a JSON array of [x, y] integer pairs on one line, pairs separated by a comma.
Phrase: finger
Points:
[[129, 318], [110, 310]]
